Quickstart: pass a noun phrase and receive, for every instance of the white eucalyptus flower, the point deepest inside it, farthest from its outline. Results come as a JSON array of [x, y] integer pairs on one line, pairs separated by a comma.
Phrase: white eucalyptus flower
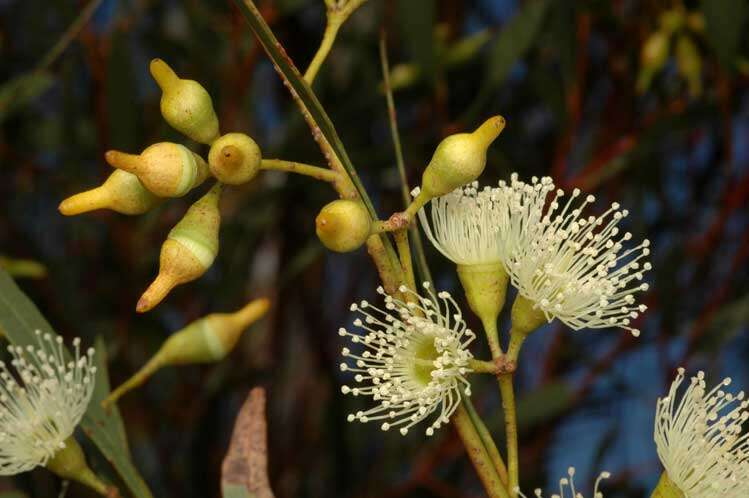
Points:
[[573, 267], [467, 225], [414, 359], [700, 441], [42, 399], [568, 483]]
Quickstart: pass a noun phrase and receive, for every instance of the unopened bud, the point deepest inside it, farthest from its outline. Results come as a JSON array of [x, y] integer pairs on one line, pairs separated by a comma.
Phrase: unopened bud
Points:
[[185, 104], [166, 169], [234, 158], [121, 192], [460, 159], [188, 251], [343, 225]]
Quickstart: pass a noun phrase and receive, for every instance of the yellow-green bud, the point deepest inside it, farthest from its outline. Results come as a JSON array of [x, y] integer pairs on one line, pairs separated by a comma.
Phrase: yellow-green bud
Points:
[[166, 169], [185, 104], [188, 251], [666, 488], [343, 225], [485, 287], [653, 57], [460, 159], [70, 463], [206, 340], [234, 158], [689, 64], [121, 192]]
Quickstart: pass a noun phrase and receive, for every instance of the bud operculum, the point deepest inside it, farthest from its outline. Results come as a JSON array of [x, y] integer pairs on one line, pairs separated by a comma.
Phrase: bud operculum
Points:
[[166, 169], [460, 159], [190, 249], [185, 104], [121, 192], [70, 463], [234, 158], [343, 225]]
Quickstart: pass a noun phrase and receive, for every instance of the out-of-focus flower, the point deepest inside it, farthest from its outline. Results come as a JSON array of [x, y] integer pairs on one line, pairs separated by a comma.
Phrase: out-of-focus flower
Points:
[[700, 441], [42, 402], [414, 359], [569, 483]]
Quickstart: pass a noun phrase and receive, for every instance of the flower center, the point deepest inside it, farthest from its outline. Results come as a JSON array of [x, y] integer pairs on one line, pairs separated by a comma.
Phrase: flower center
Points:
[[423, 354]]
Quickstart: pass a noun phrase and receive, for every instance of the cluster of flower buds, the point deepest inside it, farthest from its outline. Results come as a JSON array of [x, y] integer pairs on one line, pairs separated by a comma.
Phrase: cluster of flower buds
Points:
[[166, 170], [675, 23]]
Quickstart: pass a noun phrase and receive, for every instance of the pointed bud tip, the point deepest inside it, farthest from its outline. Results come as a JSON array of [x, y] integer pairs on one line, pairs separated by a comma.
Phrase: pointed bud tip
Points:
[[143, 305], [162, 73]]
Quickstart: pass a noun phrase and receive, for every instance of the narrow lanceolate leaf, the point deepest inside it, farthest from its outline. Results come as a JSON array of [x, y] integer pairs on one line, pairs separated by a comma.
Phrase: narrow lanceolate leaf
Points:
[[244, 473], [19, 319], [512, 43]]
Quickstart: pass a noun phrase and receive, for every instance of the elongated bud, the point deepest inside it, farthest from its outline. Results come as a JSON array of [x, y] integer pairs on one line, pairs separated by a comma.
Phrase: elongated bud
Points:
[[689, 64], [185, 104], [343, 225], [666, 488], [121, 192], [166, 169], [188, 251], [234, 158], [653, 57], [460, 159], [70, 463], [206, 340]]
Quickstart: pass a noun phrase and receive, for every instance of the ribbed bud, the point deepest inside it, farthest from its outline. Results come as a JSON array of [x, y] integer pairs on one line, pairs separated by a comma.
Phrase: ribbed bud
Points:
[[121, 192], [343, 225], [185, 104], [460, 159], [206, 340], [70, 463], [234, 158], [653, 57], [166, 169], [689, 64], [188, 251]]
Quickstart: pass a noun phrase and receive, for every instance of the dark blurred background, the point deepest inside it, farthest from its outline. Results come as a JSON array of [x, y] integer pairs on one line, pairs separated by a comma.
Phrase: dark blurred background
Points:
[[564, 74]]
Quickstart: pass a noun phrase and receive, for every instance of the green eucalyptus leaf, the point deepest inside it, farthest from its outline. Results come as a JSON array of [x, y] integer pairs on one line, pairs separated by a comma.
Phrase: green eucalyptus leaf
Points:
[[19, 319]]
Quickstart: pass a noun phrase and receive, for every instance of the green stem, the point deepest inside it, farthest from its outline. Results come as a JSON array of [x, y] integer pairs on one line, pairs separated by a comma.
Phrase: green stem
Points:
[[318, 173], [511, 431], [478, 454], [492, 337], [404, 251], [486, 438], [482, 366], [331, 31]]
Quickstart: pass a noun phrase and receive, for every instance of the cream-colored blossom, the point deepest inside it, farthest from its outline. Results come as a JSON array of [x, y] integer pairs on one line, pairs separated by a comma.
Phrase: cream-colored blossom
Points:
[[413, 361], [700, 441], [43, 397], [573, 267], [568, 484]]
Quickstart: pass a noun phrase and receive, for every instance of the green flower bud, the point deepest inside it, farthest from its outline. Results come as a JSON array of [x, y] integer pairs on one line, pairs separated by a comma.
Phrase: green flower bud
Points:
[[459, 159], [188, 251], [343, 225], [70, 463], [234, 158], [185, 104], [121, 192], [689, 64], [166, 169], [206, 340]]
